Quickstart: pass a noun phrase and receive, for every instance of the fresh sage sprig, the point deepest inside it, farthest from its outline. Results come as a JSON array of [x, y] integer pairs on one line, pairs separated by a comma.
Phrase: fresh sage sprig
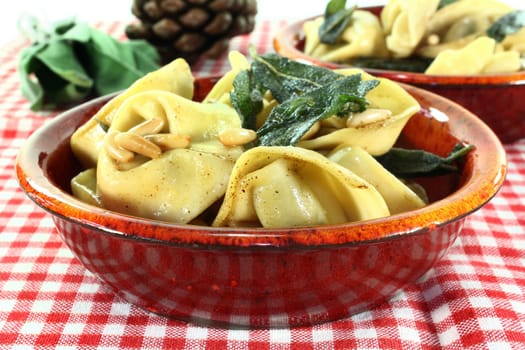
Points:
[[409, 163], [507, 24], [70, 61], [336, 19]]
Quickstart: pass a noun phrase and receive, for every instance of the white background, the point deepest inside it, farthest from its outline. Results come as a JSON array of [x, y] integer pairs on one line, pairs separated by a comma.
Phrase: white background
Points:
[[91, 10]]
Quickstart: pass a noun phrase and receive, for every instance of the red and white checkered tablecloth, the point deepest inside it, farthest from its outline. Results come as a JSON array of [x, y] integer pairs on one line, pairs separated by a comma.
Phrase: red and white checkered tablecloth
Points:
[[474, 298]]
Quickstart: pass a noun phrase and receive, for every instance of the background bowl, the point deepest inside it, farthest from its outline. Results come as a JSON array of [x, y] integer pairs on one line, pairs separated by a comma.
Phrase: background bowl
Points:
[[266, 277], [498, 99]]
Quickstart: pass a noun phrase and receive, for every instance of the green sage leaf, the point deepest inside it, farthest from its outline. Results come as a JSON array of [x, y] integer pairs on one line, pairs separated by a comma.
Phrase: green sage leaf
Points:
[[290, 120], [409, 163], [408, 64], [60, 58], [145, 56], [336, 20], [444, 3], [508, 24], [51, 75], [286, 78], [111, 63], [29, 86], [72, 61], [246, 98], [65, 25]]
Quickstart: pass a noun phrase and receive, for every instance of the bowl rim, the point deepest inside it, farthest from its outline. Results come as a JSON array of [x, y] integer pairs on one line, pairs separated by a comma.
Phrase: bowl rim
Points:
[[476, 191], [286, 39]]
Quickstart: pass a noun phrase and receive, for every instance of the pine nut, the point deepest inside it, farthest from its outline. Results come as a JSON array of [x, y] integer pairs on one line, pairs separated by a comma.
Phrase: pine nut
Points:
[[150, 126], [433, 39], [169, 141], [236, 136], [370, 116], [312, 131], [116, 152], [138, 144]]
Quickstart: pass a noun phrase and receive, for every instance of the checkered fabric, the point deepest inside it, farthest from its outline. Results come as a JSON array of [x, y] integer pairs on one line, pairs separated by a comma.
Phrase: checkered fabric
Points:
[[474, 298]]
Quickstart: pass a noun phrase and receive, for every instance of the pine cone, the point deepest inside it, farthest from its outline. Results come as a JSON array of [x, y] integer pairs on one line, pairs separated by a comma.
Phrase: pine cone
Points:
[[191, 28]]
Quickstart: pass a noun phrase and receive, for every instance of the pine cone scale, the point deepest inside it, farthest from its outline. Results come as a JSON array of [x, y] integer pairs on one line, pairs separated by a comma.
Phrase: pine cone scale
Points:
[[166, 28], [152, 10], [191, 28], [195, 18], [220, 5], [219, 24], [173, 6]]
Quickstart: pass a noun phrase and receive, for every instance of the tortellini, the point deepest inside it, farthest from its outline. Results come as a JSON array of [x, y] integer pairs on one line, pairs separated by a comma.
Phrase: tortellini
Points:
[[458, 24], [185, 135], [515, 42], [465, 17], [160, 188], [390, 109], [86, 142], [478, 57], [289, 186], [364, 38], [404, 23], [398, 197]]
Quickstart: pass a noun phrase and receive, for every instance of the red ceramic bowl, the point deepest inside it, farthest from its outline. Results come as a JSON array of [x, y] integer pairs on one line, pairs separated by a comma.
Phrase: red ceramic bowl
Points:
[[499, 99], [266, 277]]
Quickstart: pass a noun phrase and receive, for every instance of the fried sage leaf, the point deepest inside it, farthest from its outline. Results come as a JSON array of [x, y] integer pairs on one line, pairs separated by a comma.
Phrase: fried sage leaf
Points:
[[290, 120], [409, 163], [246, 98], [508, 24], [444, 3], [336, 19], [409, 64], [286, 78], [306, 95]]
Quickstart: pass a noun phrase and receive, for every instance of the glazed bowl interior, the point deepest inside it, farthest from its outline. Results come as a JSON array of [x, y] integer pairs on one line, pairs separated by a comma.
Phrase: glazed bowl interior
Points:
[[503, 113], [266, 277]]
